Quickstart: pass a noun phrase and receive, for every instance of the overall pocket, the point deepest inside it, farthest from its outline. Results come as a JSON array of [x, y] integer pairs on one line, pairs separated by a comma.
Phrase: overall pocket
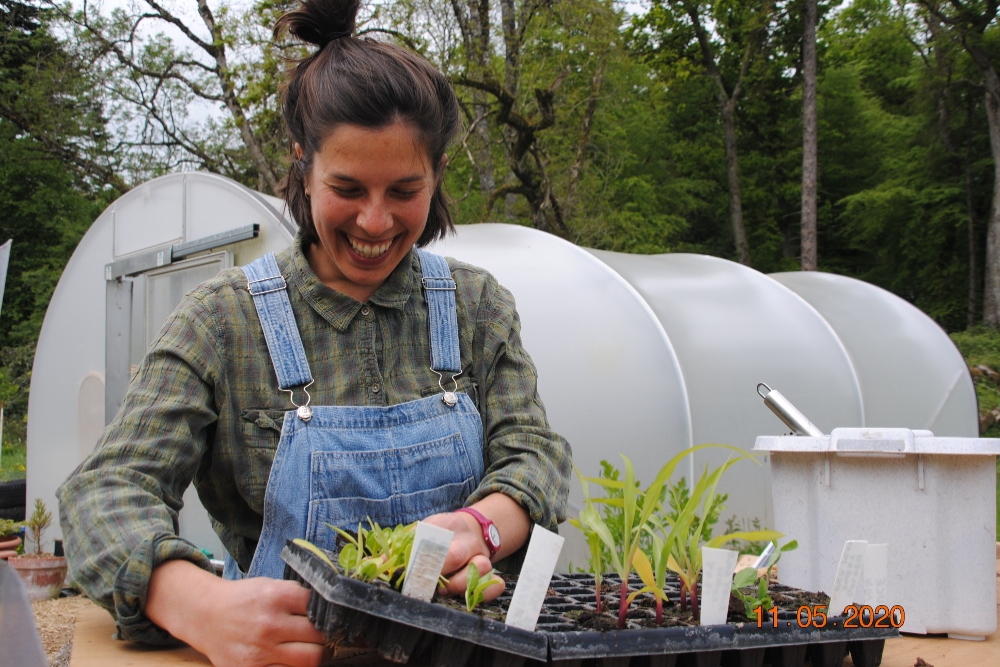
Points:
[[389, 486]]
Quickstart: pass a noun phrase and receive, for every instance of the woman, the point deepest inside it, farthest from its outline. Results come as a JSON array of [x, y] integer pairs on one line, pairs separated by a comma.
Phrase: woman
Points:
[[349, 376]]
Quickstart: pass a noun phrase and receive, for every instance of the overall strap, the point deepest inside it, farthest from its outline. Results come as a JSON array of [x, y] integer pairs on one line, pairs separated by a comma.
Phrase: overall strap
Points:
[[442, 315], [268, 289]]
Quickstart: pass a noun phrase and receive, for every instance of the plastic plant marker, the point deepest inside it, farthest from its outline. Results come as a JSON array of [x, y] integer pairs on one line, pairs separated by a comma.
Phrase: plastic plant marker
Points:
[[430, 548], [848, 586], [876, 574], [717, 567], [533, 582]]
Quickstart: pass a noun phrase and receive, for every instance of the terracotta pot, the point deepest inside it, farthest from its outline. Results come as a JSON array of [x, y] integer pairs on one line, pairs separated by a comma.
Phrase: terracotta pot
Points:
[[8, 546], [43, 576]]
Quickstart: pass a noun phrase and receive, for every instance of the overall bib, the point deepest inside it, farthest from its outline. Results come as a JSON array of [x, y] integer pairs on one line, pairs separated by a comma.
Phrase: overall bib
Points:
[[344, 465]]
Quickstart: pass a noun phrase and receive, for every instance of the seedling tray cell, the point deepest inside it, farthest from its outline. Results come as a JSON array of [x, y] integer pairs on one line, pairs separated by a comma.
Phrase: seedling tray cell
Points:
[[407, 631]]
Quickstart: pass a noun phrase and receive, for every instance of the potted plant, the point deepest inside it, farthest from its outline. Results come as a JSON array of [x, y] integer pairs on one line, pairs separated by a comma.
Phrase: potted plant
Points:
[[42, 573], [10, 537]]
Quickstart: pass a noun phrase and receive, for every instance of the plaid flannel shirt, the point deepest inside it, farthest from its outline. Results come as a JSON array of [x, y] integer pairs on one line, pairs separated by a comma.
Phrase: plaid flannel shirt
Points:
[[204, 406]]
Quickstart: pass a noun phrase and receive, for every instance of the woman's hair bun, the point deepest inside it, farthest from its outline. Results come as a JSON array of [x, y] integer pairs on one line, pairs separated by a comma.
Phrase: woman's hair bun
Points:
[[320, 21]]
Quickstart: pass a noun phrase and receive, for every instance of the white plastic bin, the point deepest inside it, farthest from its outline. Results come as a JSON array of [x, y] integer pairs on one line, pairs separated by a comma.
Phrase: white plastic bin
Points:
[[933, 500]]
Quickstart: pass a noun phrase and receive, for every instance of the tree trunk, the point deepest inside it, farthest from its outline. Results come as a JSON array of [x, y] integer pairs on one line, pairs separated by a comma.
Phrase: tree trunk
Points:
[[970, 215], [809, 148], [733, 178], [991, 292]]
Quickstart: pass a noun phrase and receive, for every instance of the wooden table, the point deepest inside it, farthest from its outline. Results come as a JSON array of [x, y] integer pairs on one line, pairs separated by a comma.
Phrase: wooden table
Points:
[[93, 646]]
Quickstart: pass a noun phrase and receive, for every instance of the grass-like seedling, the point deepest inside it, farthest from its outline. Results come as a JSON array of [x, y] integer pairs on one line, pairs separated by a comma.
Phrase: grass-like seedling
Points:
[[476, 586], [637, 509], [683, 537], [676, 534]]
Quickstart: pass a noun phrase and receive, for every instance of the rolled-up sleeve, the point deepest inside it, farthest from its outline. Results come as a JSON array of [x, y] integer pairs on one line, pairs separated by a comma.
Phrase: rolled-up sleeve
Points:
[[118, 509], [525, 458]]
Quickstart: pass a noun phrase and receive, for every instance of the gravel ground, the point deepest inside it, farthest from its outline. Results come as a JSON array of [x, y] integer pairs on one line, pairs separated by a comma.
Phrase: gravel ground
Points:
[[55, 620]]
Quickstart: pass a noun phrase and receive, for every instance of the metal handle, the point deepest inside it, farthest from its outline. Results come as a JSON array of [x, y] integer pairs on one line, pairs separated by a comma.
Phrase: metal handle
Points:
[[788, 413]]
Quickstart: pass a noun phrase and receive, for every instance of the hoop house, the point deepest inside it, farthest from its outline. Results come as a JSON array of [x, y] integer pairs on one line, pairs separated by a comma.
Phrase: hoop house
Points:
[[639, 355], [128, 273]]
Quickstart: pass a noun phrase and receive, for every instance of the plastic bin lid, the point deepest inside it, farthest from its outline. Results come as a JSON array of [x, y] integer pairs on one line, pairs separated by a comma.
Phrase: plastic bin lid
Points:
[[879, 441]]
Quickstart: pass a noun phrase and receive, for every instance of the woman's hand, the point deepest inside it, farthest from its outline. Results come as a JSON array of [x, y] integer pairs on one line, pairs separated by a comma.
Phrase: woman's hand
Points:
[[248, 623], [469, 546], [8, 547]]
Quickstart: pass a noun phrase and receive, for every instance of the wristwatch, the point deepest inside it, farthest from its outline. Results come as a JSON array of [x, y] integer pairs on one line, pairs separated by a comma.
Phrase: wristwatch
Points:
[[490, 532]]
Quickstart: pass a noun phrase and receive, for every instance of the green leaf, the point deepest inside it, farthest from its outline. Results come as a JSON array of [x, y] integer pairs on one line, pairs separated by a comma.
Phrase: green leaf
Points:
[[745, 577], [305, 544]]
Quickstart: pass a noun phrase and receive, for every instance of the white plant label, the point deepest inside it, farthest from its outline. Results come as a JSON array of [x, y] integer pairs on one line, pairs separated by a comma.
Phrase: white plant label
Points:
[[876, 574], [849, 584], [533, 582], [430, 548], [717, 567]]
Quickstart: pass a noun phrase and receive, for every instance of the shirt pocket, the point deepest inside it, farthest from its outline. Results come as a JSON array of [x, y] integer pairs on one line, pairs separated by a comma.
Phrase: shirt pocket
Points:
[[261, 431]]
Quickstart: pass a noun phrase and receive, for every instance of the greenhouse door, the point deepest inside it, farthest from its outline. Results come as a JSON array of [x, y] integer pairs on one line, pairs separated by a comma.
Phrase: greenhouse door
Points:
[[137, 307]]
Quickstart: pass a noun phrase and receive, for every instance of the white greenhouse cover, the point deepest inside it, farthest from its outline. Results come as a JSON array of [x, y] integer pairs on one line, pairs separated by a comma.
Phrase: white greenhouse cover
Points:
[[637, 355]]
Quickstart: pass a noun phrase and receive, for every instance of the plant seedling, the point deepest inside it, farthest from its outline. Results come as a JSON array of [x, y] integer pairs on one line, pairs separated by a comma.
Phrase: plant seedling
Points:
[[682, 543], [637, 508], [748, 577], [376, 553], [476, 586], [39, 520]]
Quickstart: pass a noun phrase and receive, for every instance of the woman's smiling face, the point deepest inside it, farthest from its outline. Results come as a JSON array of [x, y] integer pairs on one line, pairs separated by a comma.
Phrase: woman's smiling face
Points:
[[370, 192]]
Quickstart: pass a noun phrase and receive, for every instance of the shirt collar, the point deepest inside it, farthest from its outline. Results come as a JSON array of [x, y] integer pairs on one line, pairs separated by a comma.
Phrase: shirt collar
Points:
[[338, 308]]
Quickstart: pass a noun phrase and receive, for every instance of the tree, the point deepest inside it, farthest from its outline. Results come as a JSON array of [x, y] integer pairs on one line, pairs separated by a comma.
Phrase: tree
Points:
[[55, 178], [972, 22], [155, 86], [809, 138], [46, 94], [739, 33]]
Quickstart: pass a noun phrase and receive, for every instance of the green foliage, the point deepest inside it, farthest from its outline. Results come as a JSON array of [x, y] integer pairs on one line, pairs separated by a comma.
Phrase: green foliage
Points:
[[37, 523], [673, 535], [680, 538], [377, 553], [9, 527], [752, 589], [679, 496], [476, 587], [736, 525], [637, 508]]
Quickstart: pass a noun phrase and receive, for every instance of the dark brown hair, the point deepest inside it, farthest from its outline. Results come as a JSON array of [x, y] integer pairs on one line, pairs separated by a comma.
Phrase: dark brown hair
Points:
[[360, 82]]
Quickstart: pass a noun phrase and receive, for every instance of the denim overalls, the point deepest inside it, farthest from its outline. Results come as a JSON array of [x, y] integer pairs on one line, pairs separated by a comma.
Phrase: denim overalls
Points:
[[345, 465]]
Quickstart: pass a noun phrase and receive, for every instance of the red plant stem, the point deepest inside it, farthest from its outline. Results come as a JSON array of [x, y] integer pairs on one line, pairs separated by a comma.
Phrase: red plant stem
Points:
[[659, 611], [597, 592], [694, 601], [683, 597], [623, 605]]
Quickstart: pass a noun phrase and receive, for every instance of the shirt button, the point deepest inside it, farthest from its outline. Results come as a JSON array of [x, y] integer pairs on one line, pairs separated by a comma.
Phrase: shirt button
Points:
[[366, 311], [376, 388]]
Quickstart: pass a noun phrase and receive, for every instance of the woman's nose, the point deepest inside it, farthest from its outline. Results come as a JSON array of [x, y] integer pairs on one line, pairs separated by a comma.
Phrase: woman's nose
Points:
[[375, 217]]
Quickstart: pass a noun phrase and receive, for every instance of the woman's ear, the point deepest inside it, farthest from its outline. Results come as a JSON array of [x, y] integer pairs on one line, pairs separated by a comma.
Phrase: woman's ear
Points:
[[298, 151], [439, 172]]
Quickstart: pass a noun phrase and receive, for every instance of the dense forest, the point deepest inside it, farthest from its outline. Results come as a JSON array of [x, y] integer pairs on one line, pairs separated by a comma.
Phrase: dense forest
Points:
[[859, 138]]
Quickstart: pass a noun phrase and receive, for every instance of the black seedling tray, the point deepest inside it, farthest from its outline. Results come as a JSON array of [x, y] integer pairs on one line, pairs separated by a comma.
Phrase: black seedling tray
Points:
[[407, 631]]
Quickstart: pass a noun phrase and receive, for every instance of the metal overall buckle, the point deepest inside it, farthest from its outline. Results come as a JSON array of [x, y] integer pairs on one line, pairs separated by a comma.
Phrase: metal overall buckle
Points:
[[450, 398], [304, 412]]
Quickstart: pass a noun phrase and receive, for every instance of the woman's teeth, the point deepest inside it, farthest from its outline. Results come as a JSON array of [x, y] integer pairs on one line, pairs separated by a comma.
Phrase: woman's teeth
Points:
[[369, 251]]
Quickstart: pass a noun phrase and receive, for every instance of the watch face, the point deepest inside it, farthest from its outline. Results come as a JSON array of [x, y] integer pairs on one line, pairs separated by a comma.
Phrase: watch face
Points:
[[494, 536]]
